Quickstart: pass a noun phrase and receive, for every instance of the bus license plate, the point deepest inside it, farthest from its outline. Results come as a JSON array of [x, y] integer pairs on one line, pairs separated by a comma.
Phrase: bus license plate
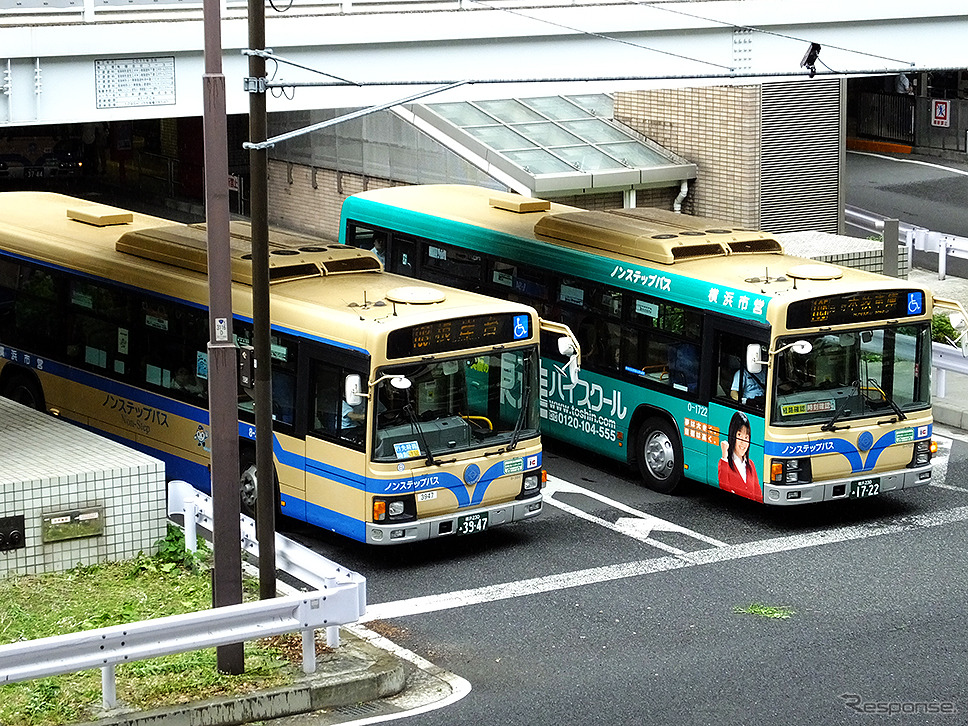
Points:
[[471, 523], [865, 488]]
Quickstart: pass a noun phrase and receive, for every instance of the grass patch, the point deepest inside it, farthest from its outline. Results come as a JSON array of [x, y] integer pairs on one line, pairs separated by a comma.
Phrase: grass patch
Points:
[[171, 582], [777, 612]]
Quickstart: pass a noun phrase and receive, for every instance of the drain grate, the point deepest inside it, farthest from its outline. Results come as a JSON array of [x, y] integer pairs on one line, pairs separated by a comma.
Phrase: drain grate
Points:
[[358, 709]]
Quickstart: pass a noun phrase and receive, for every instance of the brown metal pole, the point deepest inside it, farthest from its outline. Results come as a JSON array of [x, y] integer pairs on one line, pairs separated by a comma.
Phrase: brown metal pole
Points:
[[259, 215], [222, 359]]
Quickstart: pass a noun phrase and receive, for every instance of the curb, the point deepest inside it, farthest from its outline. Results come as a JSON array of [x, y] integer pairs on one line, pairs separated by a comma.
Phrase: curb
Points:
[[356, 673]]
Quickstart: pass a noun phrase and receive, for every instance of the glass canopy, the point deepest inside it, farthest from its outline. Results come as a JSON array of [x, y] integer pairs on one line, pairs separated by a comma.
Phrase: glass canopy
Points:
[[557, 144]]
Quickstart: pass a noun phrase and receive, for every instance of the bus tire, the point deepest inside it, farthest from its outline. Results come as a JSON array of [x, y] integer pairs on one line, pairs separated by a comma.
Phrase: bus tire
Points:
[[23, 388], [249, 484], [660, 456]]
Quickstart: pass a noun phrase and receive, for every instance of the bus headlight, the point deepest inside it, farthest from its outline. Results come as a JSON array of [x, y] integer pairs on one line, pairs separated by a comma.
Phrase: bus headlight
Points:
[[394, 509], [922, 453], [790, 471], [531, 484]]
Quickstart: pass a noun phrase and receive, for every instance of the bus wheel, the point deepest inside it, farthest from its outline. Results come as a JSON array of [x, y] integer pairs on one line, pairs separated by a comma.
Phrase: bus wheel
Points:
[[660, 456], [248, 484], [23, 389]]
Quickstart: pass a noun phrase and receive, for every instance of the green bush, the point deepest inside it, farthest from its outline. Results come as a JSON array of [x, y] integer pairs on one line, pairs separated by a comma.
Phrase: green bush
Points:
[[942, 331]]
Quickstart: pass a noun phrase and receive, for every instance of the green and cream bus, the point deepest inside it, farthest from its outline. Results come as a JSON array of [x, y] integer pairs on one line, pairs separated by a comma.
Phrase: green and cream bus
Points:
[[401, 411], [707, 352]]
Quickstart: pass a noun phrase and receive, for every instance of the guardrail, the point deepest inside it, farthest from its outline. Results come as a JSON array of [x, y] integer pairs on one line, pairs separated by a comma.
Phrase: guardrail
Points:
[[916, 238], [946, 358], [339, 599]]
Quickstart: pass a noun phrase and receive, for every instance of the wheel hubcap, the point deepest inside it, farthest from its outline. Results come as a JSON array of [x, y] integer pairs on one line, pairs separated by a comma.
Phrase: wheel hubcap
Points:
[[659, 455], [248, 486]]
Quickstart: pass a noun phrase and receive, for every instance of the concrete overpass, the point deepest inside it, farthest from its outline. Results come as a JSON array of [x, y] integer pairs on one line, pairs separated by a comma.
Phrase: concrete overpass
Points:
[[104, 60]]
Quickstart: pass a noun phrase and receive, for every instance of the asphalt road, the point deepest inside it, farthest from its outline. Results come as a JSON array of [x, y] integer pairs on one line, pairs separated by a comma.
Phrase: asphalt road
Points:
[[622, 606], [922, 190]]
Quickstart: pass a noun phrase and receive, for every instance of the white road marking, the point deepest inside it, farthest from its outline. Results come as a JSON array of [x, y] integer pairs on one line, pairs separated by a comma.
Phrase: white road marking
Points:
[[942, 167], [459, 687], [627, 570], [639, 526], [940, 459]]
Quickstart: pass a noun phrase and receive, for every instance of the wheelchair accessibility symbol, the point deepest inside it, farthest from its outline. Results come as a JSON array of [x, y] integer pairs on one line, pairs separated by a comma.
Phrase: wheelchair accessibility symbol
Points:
[[915, 303], [522, 325]]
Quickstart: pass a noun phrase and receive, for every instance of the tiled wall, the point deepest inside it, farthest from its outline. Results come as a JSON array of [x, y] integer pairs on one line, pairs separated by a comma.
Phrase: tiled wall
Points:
[[308, 199], [718, 129], [52, 467], [861, 254]]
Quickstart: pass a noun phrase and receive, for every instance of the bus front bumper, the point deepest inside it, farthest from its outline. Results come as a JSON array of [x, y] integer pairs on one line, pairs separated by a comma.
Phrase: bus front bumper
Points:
[[853, 487], [467, 521]]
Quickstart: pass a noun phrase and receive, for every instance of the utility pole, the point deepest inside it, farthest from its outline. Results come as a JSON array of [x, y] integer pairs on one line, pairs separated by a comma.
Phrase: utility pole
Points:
[[222, 361], [259, 216]]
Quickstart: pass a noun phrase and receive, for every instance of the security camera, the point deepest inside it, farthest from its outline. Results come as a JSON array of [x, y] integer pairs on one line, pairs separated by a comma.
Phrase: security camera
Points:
[[810, 59]]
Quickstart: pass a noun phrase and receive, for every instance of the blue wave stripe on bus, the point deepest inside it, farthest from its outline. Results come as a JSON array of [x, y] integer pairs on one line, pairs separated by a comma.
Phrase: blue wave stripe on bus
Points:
[[495, 471], [335, 522], [858, 461]]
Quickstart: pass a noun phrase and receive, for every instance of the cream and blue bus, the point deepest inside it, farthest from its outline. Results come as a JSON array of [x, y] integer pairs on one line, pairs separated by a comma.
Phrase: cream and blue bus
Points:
[[401, 411], [707, 352]]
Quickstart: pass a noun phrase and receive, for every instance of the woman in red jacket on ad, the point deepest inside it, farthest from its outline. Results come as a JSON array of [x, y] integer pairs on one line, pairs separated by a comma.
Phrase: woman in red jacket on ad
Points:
[[737, 473]]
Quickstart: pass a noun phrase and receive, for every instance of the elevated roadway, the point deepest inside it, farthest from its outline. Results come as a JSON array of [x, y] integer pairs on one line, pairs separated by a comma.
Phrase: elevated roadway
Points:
[[103, 60]]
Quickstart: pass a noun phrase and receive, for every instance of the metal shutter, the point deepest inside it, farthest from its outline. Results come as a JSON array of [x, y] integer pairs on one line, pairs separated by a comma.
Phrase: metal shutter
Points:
[[802, 156]]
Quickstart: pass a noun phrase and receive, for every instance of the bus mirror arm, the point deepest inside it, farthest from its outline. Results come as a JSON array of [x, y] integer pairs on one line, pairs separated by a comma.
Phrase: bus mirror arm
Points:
[[755, 365], [570, 370]]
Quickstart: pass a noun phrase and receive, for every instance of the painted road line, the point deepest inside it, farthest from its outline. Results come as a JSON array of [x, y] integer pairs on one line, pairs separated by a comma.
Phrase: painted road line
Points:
[[639, 525], [918, 162], [458, 687], [640, 568], [939, 473]]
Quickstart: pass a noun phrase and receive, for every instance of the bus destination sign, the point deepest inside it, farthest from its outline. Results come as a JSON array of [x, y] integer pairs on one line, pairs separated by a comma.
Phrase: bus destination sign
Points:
[[441, 336], [855, 307]]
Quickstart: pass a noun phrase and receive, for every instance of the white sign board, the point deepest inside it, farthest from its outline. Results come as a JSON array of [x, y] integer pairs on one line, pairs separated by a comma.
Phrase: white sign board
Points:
[[940, 113], [129, 82]]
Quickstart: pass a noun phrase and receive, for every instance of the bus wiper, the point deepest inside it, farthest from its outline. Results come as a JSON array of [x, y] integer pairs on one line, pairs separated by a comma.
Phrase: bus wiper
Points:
[[415, 425], [519, 424], [831, 425], [890, 401]]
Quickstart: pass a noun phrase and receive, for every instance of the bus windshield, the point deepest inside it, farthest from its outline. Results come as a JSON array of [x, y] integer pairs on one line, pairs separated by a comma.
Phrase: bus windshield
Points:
[[851, 375], [457, 404]]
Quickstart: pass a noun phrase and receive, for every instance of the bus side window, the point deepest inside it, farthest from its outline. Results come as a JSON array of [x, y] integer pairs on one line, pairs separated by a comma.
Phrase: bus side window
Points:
[[324, 395], [332, 417], [402, 257], [283, 396], [733, 381]]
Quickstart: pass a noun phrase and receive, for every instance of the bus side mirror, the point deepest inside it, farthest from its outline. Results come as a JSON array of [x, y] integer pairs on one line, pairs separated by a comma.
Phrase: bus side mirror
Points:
[[753, 362], [566, 347], [352, 389]]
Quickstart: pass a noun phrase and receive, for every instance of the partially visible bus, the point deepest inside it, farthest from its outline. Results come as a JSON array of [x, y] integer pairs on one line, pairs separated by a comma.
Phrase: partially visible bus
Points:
[[707, 352], [401, 412]]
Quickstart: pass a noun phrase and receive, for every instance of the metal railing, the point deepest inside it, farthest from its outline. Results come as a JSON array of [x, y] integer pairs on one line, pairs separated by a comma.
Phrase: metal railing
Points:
[[945, 358], [916, 238], [339, 599]]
